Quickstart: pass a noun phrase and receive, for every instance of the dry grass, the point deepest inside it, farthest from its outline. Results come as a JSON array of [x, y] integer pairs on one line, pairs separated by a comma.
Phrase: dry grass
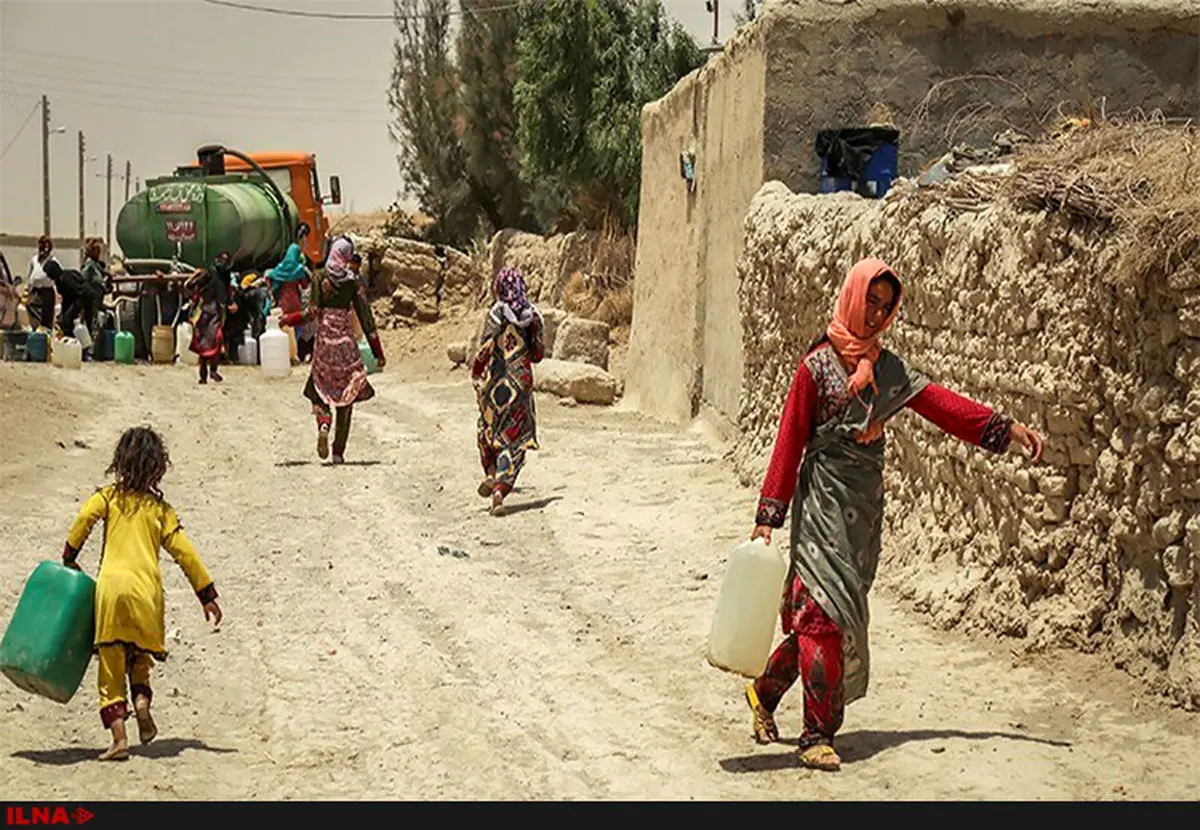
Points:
[[604, 291], [1137, 177]]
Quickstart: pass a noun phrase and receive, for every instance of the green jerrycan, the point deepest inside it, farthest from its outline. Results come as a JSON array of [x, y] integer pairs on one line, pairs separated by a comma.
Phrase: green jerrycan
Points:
[[48, 644], [123, 347], [368, 357]]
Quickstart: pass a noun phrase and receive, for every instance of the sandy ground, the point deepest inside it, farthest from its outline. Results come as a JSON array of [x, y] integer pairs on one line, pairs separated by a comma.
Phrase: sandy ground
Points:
[[556, 653]]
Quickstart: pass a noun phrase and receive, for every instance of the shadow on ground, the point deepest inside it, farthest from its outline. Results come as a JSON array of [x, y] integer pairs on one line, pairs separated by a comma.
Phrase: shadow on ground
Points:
[[165, 748], [862, 745]]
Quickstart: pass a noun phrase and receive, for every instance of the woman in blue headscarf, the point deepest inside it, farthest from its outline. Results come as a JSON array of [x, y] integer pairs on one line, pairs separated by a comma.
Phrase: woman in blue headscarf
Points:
[[288, 274]]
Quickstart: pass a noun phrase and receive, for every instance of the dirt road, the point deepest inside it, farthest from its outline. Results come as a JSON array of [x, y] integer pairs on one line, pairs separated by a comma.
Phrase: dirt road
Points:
[[386, 639]]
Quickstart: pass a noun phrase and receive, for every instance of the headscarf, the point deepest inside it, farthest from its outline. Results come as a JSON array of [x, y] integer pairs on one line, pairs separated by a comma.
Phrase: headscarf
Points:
[[289, 269], [847, 329], [511, 299], [337, 264]]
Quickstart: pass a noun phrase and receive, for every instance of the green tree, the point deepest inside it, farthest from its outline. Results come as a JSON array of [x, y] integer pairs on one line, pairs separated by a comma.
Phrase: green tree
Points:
[[487, 67], [424, 99], [585, 68]]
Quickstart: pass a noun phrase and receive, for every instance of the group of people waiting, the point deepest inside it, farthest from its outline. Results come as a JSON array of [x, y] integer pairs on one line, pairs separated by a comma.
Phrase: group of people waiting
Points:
[[79, 291]]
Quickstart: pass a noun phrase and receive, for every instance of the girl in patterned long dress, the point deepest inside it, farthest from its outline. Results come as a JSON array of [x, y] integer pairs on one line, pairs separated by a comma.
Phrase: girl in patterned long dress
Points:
[[211, 302], [845, 389], [338, 379], [503, 375]]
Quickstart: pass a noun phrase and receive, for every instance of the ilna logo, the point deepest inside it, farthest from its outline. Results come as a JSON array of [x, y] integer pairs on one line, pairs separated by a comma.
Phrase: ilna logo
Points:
[[19, 816]]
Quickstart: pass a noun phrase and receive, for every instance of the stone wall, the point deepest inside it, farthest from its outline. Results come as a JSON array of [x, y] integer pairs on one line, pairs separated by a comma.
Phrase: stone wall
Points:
[[1099, 546]]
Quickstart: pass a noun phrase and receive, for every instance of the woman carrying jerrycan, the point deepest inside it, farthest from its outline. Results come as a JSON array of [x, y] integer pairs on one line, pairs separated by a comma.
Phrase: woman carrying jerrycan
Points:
[[844, 391]]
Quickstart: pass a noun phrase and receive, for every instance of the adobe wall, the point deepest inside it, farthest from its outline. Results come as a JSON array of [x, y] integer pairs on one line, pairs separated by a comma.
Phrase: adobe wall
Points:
[[685, 341], [962, 71]]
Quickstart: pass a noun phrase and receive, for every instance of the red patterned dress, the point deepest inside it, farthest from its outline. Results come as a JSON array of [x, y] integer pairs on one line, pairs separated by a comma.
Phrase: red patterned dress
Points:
[[503, 376], [836, 523]]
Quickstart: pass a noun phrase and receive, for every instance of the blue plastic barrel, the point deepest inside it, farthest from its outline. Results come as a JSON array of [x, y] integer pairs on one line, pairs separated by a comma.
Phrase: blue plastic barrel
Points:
[[880, 172]]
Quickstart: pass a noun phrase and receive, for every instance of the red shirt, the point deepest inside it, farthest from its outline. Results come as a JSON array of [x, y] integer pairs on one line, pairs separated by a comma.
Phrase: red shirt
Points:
[[952, 413]]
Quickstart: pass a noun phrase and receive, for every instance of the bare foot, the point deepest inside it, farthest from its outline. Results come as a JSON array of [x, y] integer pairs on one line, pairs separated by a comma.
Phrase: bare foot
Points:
[[497, 504], [147, 730], [322, 443], [338, 459], [119, 751], [487, 486]]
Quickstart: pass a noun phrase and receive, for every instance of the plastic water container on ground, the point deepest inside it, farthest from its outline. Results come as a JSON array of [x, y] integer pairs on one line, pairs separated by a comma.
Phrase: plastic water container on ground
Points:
[[48, 643], [70, 353], [37, 347], [247, 354], [743, 624], [14, 345], [123, 344], [102, 349], [183, 344], [273, 351], [162, 344]]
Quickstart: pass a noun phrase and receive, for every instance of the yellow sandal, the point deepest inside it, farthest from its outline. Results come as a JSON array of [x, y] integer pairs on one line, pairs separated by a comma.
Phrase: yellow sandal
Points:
[[765, 730], [821, 756]]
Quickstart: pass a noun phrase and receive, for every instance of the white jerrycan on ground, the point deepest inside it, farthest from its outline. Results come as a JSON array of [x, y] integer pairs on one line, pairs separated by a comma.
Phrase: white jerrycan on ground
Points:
[[743, 625], [70, 353], [183, 345], [248, 352], [274, 352]]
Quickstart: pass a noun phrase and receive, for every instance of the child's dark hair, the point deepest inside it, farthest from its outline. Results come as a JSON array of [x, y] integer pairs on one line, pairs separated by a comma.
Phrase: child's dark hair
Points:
[[140, 461]]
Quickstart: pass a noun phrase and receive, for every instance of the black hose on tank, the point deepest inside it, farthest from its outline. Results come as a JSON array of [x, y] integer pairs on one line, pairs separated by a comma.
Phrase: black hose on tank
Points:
[[214, 149]]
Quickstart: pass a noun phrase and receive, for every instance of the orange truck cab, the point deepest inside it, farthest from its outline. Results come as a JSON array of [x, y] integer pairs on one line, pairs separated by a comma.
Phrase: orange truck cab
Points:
[[295, 173]]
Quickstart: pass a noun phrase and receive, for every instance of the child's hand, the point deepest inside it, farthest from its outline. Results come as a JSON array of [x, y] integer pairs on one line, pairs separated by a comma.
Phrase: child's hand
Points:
[[212, 611]]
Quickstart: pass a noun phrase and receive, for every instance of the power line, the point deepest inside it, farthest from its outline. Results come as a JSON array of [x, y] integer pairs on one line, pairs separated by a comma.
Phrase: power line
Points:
[[140, 69], [238, 108], [20, 130], [183, 88], [364, 118], [343, 15]]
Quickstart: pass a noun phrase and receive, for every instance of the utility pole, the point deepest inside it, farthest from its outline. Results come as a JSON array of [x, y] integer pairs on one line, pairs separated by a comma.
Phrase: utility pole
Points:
[[45, 165], [128, 172], [108, 213], [82, 226], [714, 6]]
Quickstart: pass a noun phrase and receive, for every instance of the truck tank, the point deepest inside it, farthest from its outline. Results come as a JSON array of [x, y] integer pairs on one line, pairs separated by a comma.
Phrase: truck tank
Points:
[[193, 219]]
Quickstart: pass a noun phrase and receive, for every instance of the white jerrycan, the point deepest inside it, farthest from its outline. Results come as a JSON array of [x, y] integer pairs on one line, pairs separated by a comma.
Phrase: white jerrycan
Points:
[[83, 335], [71, 353], [248, 352], [183, 344], [274, 352], [743, 625]]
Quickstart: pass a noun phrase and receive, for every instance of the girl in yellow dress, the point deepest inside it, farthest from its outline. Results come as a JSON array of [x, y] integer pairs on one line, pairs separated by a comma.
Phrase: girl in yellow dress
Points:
[[129, 590]]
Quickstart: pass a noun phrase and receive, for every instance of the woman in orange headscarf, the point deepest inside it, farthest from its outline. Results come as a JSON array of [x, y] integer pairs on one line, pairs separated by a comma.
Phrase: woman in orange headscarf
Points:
[[844, 391]]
